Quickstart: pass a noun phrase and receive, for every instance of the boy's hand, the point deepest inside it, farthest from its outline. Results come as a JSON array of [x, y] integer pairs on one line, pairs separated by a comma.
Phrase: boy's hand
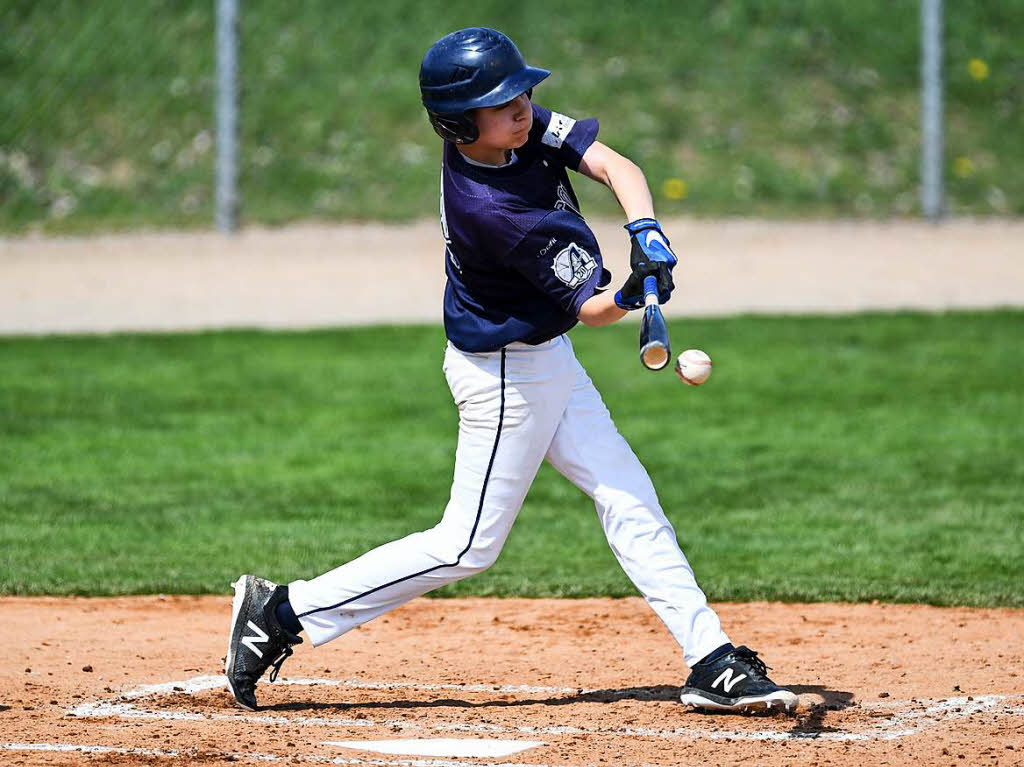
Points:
[[649, 243], [650, 254], [631, 295]]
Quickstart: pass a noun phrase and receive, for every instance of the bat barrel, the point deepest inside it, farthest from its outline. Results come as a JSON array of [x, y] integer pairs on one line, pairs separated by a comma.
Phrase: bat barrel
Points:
[[654, 343], [654, 355]]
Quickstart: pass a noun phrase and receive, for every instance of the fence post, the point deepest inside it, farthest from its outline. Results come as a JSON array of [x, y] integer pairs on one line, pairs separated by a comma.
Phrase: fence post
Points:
[[932, 202], [226, 212]]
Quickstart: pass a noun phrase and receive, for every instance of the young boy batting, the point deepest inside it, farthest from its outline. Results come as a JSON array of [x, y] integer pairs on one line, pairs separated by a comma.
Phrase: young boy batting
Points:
[[523, 268]]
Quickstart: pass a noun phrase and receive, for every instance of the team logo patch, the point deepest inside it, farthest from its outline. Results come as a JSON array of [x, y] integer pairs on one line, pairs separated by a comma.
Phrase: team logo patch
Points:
[[573, 265], [558, 129]]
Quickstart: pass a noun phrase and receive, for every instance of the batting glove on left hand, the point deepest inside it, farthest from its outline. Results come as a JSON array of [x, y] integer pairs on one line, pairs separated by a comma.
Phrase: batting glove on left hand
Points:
[[650, 254], [649, 243]]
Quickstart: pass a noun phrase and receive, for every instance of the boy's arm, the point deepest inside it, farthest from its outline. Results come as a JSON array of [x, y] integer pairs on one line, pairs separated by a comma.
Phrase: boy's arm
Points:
[[628, 184], [600, 309], [622, 176]]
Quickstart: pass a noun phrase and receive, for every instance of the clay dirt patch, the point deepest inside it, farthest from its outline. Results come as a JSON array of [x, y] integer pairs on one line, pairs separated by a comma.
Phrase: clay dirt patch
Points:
[[567, 682]]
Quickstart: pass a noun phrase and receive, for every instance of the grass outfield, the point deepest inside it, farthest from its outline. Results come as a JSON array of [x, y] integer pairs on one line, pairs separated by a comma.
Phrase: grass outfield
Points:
[[847, 458]]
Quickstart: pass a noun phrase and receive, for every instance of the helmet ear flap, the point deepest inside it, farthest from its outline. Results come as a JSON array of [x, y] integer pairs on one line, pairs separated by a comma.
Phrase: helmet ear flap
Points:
[[459, 129]]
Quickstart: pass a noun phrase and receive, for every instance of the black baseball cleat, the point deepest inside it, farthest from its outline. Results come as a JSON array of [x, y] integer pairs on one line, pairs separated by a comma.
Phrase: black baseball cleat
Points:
[[257, 640], [735, 682]]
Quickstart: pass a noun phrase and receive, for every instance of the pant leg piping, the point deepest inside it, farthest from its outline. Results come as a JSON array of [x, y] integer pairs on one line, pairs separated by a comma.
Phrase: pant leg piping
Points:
[[476, 522]]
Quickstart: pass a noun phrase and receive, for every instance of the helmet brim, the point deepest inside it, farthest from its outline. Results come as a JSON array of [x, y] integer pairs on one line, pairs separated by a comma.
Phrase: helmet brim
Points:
[[520, 82]]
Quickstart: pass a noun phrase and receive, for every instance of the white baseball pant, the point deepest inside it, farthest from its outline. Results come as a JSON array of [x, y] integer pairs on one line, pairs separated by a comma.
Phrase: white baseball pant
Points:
[[517, 407]]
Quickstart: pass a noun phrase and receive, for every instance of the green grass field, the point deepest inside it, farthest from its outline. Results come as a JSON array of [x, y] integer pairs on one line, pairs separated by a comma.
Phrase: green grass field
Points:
[[766, 107], [848, 458]]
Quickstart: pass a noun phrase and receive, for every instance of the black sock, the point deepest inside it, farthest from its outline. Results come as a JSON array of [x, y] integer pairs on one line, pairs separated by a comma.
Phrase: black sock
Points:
[[716, 654], [286, 617]]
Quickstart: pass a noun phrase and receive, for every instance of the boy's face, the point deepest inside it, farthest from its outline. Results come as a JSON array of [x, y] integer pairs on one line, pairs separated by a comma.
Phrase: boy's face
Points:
[[505, 126]]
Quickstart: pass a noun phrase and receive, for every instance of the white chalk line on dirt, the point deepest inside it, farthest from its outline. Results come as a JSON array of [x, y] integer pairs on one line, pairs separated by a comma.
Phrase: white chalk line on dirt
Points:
[[900, 724], [72, 747], [201, 683], [251, 757]]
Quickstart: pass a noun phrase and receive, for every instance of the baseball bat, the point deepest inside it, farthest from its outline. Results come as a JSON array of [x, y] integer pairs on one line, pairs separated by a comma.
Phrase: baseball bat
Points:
[[655, 351]]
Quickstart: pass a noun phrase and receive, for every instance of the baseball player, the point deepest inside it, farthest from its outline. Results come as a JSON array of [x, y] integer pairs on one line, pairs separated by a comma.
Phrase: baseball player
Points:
[[523, 268]]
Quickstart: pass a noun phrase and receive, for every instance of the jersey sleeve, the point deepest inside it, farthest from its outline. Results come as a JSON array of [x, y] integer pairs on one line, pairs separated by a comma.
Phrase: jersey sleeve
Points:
[[566, 138], [561, 258]]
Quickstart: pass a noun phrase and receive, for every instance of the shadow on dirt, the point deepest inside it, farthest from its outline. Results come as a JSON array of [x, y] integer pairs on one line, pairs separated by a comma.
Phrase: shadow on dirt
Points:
[[651, 693], [810, 719]]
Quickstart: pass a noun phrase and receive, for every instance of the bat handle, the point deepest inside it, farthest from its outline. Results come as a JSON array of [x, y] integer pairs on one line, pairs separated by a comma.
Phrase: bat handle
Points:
[[651, 290]]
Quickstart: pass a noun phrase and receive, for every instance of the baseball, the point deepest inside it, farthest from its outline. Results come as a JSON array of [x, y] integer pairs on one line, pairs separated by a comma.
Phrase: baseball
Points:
[[693, 367]]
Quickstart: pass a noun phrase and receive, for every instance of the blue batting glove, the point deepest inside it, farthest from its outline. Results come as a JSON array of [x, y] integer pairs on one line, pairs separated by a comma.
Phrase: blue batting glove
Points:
[[649, 255], [628, 303], [631, 295], [649, 243]]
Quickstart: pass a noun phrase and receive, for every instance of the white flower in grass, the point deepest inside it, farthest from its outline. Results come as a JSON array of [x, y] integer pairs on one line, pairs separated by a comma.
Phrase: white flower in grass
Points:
[[275, 65], [411, 153], [263, 156], [90, 176], [327, 200], [21, 168], [996, 198], [161, 151], [743, 184], [615, 67], [202, 142], [63, 206]]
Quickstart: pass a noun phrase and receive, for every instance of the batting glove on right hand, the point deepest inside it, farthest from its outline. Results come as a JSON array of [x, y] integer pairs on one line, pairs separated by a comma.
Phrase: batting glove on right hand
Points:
[[631, 295]]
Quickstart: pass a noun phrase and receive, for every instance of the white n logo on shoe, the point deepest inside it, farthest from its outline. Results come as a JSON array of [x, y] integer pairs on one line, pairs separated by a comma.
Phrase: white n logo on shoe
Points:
[[727, 680], [260, 638]]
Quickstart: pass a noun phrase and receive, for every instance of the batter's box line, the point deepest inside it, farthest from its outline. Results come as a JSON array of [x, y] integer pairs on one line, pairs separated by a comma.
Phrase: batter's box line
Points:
[[192, 754], [899, 725]]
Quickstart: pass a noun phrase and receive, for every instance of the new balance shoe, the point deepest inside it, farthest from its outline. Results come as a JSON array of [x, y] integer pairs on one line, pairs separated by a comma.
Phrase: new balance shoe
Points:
[[737, 681], [257, 640]]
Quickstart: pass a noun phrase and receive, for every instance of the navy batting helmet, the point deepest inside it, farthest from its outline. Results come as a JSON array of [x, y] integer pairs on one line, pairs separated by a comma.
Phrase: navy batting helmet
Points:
[[469, 69]]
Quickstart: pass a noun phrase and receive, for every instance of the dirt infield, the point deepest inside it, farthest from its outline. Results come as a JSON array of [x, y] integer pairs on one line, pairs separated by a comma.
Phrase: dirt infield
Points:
[[540, 682], [304, 276]]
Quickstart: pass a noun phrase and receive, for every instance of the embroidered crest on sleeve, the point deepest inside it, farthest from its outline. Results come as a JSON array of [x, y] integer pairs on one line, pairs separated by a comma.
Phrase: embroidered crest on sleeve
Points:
[[573, 265], [558, 129]]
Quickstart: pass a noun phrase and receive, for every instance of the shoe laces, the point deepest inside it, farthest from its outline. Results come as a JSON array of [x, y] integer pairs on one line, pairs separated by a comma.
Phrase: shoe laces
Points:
[[750, 656], [286, 652]]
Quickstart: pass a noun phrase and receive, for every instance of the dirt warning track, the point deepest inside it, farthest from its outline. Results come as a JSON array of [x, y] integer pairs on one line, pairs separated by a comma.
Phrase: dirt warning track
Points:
[[508, 682], [295, 277]]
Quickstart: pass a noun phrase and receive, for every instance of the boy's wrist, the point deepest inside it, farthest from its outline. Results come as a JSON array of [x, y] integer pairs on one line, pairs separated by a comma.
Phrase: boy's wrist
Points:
[[627, 304], [642, 224]]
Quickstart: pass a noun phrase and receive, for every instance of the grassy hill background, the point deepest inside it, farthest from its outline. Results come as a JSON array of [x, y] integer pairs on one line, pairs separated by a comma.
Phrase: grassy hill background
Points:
[[742, 107]]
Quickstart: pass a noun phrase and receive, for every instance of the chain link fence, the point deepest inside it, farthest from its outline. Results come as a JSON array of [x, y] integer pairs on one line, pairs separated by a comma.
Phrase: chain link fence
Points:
[[107, 114], [733, 107]]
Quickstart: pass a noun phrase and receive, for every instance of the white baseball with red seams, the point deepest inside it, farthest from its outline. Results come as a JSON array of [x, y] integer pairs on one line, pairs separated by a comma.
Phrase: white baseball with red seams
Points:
[[693, 367]]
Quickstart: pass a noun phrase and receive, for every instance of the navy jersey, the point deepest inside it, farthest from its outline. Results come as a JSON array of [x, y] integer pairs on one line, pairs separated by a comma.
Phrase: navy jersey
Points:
[[519, 257]]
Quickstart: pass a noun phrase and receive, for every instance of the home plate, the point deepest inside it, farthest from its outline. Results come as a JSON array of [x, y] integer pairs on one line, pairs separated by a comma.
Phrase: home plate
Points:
[[440, 746]]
